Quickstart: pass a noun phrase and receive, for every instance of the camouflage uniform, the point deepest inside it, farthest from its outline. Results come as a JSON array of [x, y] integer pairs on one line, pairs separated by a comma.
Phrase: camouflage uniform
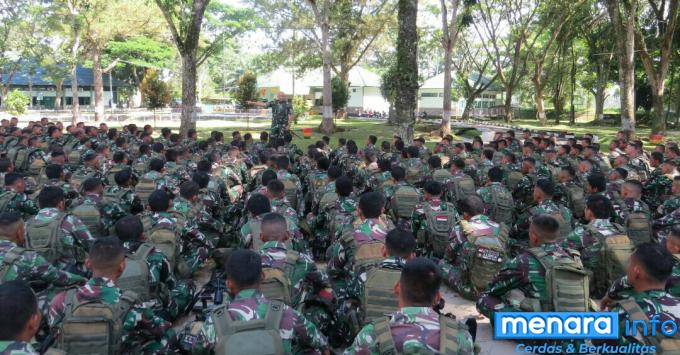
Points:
[[461, 252], [75, 238], [110, 213], [284, 175], [70, 194], [179, 293], [652, 302], [194, 246], [523, 273], [414, 330], [657, 188], [89, 172], [352, 166], [141, 327], [128, 202], [177, 172], [521, 229], [640, 166], [418, 218], [163, 181], [30, 266], [622, 289], [21, 203], [280, 112], [583, 240], [376, 181], [669, 205], [630, 205], [9, 347], [341, 256], [298, 334], [523, 194]]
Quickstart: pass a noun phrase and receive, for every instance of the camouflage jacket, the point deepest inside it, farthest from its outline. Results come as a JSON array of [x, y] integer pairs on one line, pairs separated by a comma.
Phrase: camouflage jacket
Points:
[[341, 261], [129, 202], [298, 334], [414, 330], [521, 228], [628, 206], [139, 325], [20, 202], [376, 181], [304, 277], [75, 237], [9, 347], [656, 189], [163, 181], [669, 205], [70, 194], [30, 266], [653, 303]]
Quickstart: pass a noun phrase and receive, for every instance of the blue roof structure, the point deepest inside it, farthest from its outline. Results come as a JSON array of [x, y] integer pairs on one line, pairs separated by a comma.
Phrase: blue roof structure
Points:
[[85, 78]]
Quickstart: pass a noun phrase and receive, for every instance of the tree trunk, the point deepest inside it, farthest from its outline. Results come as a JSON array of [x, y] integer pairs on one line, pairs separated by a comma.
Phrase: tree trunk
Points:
[[98, 83], [449, 34], [391, 115], [407, 67], [469, 105], [4, 90], [75, 105], [508, 104], [624, 33], [658, 120], [57, 94], [30, 91], [327, 125], [540, 105], [600, 87], [188, 93], [572, 107]]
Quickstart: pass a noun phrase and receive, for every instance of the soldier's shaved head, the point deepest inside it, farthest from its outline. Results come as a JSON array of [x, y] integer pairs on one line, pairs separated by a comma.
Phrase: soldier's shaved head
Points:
[[106, 258], [11, 226], [419, 283], [544, 229], [274, 228]]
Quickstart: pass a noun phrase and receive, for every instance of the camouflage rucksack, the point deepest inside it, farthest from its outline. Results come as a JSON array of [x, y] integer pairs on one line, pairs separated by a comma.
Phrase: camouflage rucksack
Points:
[[460, 187], [13, 153], [664, 344], [144, 188], [36, 167], [93, 326], [378, 296], [135, 278], [490, 253], [111, 198], [74, 157], [276, 284], [449, 333], [576, 198], [291, 193], [441, 176], [404, 201], [89, 213], [638, 225], [164, 238], [327, 200], [615, 252], [252, 337], [45, 238], [140, 168], [502, 207], [566, 283], [78, 178], [366, 255], [438, 227], [111, 175], [22, 159], [514, 177]]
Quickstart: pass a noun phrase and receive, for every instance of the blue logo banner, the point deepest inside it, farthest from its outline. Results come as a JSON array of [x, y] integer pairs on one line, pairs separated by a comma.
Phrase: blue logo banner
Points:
[[556, 325]]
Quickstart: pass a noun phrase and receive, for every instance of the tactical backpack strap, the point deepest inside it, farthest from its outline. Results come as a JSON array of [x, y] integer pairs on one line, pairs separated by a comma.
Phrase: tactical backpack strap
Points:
[[292, 258], [142, 252], [272, 318], [10, 257], [636, 313], [383, 336], [448, 330], [127, 300]]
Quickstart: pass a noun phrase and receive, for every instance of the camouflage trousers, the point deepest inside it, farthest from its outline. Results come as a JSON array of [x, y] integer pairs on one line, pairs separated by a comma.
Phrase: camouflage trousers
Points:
[[179, 299], [277, 131], [192, 259], [455, 278]]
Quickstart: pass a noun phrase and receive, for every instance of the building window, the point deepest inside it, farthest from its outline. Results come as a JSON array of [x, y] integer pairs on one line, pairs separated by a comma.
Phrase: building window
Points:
[[354, 90], [431, 94]]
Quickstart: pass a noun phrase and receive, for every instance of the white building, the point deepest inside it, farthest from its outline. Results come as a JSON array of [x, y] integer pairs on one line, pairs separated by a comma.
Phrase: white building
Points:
[[431, 96]]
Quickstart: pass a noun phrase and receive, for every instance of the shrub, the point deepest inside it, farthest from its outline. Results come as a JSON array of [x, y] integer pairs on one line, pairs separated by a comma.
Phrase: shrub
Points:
[[16, 102]]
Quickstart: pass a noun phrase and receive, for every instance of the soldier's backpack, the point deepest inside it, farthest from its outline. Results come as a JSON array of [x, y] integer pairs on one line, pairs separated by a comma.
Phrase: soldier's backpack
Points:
[[11, 256], [438, 227], [566, 283], [490, 253], [111, 175], [35, 168], [514, 177], [502, 207], [21, 159], [144, 188], [664, 344], [89, 213], [13, 152], [276, 284], [252, 337], [615, 253], [378, 293], [45, 238], [328, 199], [404, 201], [135, 278], [114, 197], [638, 225], [414, 173], [460, 187], [11, 142], [366, 255], [93, 327], [6, 198], [164, 238], [449, 333], [140, 168], [255, 225], [577, 199], [74, 157], [78, 178], [291, 192], [441, 176]]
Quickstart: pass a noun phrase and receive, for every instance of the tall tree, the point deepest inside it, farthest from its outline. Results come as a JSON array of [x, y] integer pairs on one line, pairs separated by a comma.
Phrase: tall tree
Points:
[[622, 14], [600, 58], [654, 42], [474, 71], [449, 36], [407, 69], [185, 18], [507, 30], [322, 13], [12, 41]]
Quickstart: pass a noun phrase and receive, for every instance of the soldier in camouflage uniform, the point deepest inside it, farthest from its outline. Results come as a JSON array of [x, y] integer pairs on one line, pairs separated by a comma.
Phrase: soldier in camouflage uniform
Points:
[[672, 203], [56, 177], [378, 180], [124, 194], [93, 195], [141, 328], [649, 268], [523, 193], [332, 220], [89, 168], [14, 198], [282, 115], [658, 186], [542, 195], [433, 200], [523, 277], [494, 187], [416, 326], [172, 296], [588, 239], [630, 202], [244, 270], [638, 162], [341, 263], [456, 267], [283, 174], [75, 237], [19, 318]]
